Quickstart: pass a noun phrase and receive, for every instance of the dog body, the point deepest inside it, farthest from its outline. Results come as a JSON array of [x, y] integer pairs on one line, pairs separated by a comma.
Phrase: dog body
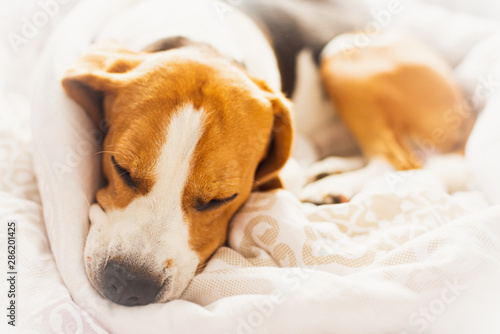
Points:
[[192, 96]]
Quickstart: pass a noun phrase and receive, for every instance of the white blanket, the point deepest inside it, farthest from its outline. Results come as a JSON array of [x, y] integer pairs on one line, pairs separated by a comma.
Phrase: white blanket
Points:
[[405, 260]]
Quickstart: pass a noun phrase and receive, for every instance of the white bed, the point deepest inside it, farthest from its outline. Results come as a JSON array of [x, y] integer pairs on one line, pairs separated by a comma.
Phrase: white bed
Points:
[[399, 258]]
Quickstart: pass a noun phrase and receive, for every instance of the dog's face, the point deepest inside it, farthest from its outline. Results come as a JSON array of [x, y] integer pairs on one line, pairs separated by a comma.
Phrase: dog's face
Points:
[[190, 135]]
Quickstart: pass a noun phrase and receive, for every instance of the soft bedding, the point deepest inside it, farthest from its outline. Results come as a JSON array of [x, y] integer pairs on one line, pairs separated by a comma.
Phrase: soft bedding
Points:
[[402, 257]]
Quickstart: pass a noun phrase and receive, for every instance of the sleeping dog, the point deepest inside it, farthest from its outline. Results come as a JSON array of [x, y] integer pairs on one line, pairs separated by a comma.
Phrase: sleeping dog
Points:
[[195, 96]]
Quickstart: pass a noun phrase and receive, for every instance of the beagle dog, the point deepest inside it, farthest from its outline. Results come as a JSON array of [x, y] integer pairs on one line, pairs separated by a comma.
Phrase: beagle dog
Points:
[[198, 117]]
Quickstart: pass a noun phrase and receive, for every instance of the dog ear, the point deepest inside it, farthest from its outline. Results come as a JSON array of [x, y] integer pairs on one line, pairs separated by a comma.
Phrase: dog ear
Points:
[[104, 68], [280, 142]]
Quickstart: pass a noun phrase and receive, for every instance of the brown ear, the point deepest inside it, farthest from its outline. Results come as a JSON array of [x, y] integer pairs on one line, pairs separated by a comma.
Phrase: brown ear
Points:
[[104, 68], [280, 144]]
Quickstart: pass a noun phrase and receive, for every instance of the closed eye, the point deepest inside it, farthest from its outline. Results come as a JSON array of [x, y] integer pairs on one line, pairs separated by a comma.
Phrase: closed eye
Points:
[[124, 174], [214, 204]]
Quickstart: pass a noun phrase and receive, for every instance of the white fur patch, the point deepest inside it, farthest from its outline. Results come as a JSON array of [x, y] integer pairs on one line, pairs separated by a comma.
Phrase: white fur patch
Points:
[[358, 41], [152, 228], [315, 116]]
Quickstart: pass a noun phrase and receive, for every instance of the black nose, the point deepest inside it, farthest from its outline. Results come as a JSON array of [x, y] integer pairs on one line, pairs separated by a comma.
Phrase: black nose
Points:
[[127, 288]]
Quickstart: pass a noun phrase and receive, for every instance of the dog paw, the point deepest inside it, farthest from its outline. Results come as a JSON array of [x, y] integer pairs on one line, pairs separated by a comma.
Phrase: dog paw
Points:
[[331, 166], [332, 189], [349, 180]]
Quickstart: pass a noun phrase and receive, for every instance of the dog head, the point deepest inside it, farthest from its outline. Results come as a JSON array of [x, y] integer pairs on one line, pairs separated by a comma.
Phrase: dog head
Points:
[[190, 134]]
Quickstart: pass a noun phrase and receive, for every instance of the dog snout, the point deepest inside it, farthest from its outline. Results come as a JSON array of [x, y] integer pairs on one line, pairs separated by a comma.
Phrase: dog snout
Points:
[[126, 287]]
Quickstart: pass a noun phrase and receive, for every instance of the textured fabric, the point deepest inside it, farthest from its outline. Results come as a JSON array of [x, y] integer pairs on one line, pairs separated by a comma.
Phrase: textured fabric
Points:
[[410, 261]]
